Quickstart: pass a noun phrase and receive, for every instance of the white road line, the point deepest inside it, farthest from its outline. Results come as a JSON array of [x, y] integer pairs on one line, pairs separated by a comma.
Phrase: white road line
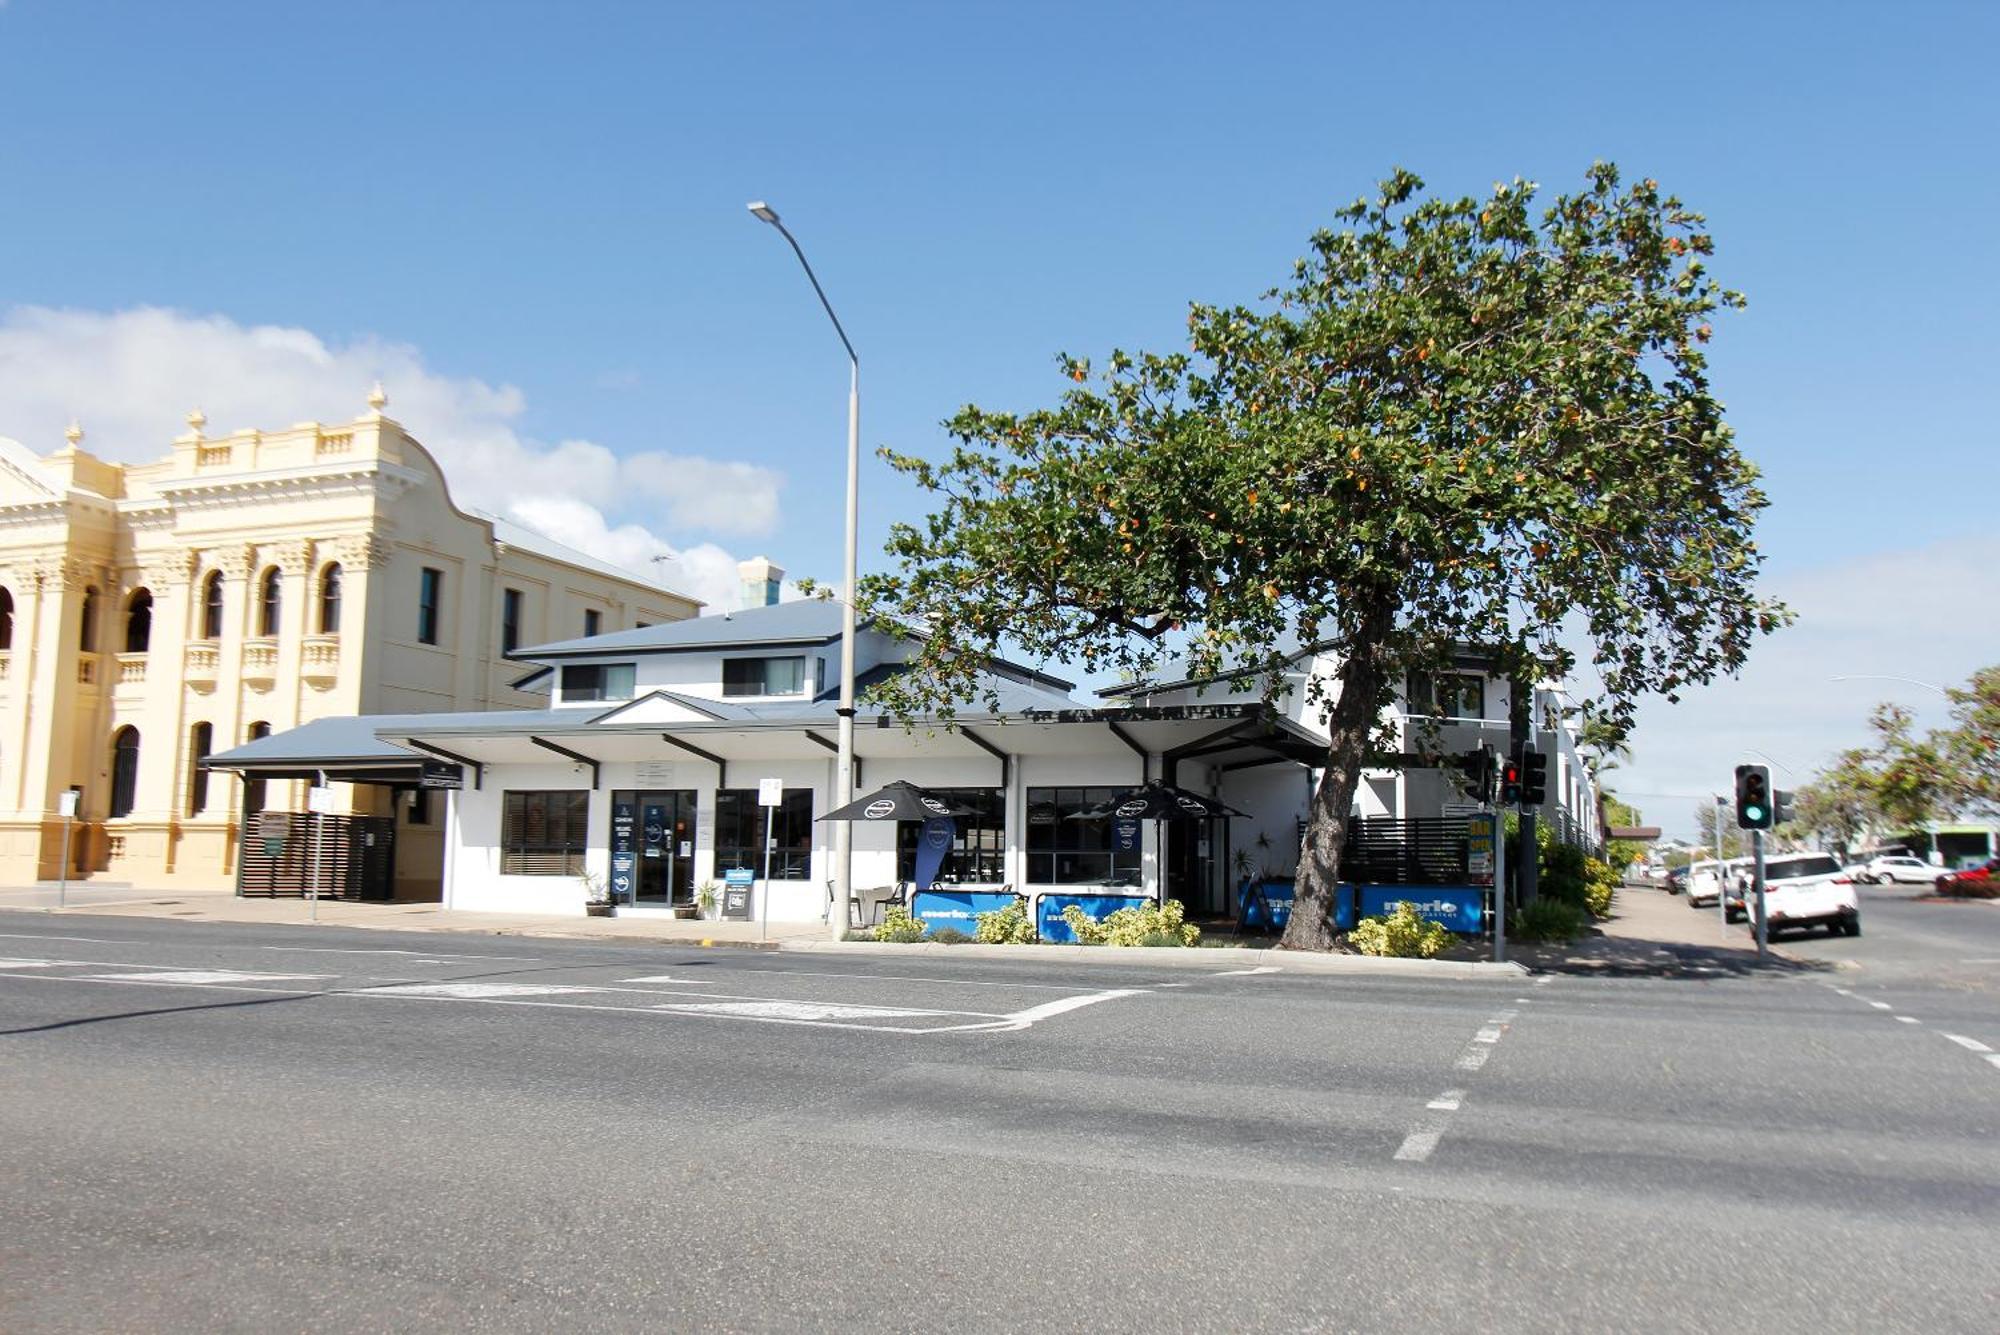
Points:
[[664, 978], [1881, 1005], [1417, 1146], [1473, 1058], [1909, 1019], [1447, 1101], [1064, 1004], [481, 991], [202, 977], [1969, 1044], [1237, 973], [425, 956], [802, 1010], [1994, 1058], [105, 941], [891, 978], [1490, 1034]]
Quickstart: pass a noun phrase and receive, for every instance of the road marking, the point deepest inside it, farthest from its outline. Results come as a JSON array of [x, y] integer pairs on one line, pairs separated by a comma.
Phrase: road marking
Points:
[[1417, 1146], [1881, 1005], [480, 991], [1490, 1034], [1994, 1058], [1969, 1044], [424, 956], [1173, 984], [1447, 1101], [889, 977], [666, 978], [106, 941], [800, 1010], [1237, 973], [202, 977], [1473, 1058], [1063, 1005], [1908, 1019]]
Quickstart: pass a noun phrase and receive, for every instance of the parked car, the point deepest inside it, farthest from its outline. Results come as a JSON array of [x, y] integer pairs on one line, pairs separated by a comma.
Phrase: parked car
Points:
[[1896, 868], [1809, 890], [1676, 880], [1973, 880]]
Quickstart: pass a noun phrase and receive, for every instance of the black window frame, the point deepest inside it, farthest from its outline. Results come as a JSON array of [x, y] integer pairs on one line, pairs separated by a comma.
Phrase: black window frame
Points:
[[511, 601], [139, 620], [1063, 849], [330, 578], [270, 603], [738, 681], [6, 618], [1425, 689], [544, 831], [211, 606], [739, 833], [593, 622], [430, 599], [124, 772], [86, 630], [201, 744], [978, 853], [577, 688]]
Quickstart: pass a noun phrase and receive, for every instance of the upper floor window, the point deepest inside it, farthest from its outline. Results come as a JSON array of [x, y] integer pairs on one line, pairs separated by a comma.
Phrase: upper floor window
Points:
[[6, 619], [329, 600], [510, 620], [430, 599], [1451, 695], [86, 631], [270, 602], [763, 676], [201, 741], [138, 621], [597, 681], [593, 621], [211, 606]]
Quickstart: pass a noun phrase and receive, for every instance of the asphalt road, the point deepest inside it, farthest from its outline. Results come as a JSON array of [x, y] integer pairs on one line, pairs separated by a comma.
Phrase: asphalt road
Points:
[[229, 1128]]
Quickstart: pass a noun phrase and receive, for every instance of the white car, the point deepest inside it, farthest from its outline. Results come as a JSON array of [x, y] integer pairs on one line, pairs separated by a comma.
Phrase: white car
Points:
[[1705, 882], [1809, 890], [1897, 868]]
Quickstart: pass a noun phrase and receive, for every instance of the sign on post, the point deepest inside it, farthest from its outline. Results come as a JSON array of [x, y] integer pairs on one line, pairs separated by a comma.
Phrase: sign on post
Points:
[[770, 792], [319, 799], [66, 802]]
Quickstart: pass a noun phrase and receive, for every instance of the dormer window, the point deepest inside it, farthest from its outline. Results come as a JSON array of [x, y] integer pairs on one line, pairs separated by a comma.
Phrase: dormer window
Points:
[[763, 676], [596, 681]]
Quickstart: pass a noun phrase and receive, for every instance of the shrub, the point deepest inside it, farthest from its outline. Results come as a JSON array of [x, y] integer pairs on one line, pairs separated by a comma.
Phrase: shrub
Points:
[[1546, 920], [1009, 926], [1141, 925], [948, 936], [1402, 935], [897, 925], [1602, 880]]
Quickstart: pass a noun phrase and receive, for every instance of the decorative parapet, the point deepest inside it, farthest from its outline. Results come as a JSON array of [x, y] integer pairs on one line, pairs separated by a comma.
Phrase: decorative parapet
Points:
[[131, 669], [319, 660], [200, 665], [260, 661], [333, 443]]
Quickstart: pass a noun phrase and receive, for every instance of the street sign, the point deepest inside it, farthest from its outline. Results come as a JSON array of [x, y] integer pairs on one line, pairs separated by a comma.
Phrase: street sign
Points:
[[438, 774], [320, 799], [66, 803], [770, 792]]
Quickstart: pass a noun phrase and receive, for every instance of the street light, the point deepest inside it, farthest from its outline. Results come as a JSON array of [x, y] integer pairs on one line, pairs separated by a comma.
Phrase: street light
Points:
[[843, 784]]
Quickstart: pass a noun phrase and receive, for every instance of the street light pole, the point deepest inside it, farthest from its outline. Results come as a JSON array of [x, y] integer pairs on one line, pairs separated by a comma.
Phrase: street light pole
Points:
[[843, 783]]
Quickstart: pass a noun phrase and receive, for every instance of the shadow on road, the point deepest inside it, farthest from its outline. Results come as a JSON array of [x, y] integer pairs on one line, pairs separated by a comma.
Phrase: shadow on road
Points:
[[159, 1010], [1608, 956]]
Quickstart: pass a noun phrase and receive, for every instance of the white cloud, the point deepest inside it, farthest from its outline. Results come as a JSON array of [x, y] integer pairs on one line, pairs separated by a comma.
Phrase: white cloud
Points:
[[1924, 613], [130, 377]]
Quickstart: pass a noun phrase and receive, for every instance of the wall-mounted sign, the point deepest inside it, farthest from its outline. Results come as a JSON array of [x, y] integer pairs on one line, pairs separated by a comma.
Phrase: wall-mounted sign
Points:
[[438, 774], [654, 774]]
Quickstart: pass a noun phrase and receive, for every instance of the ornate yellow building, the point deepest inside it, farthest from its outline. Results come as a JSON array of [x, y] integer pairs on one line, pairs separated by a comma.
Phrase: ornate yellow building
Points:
[[152, 614]]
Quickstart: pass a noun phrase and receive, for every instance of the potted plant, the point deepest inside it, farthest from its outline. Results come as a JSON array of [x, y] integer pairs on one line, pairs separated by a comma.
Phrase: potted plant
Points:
[[707, 897], [597, 901]]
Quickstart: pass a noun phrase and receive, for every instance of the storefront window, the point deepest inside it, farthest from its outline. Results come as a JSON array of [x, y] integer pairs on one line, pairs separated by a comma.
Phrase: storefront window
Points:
[[544, 833], [739, 833], [978, 851], [1067, 847]]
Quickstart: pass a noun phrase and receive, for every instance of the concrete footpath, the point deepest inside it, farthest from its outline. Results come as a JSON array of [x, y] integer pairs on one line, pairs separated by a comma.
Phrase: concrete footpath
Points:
[[1649, 933]]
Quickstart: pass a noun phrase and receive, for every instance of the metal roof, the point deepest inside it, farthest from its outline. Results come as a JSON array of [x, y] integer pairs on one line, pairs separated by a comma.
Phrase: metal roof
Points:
[[805, 621]]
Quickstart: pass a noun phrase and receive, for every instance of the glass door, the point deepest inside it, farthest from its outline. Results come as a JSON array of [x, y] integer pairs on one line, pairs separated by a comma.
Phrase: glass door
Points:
[[665, 846]]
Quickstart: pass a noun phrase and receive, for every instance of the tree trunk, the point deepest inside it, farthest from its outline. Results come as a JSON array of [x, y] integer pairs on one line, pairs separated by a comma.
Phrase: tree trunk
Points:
[[1350, 726]]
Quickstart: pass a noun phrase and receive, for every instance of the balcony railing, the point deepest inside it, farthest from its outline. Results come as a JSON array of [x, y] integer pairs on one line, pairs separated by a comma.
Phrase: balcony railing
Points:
[[319, 659], [131, 669], [260, 660], [199, 667]]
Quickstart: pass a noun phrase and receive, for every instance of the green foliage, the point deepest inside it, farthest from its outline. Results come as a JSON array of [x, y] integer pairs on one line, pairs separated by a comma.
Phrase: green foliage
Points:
[[949, 936], [1009, 926], [1472, 419], [1570, 876], [1402, 934], [897, 925], [1546, 920], [1141, 925]]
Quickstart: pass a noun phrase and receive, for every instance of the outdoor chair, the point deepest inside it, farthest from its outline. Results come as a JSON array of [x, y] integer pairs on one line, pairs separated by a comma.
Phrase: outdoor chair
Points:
[[866, 907]]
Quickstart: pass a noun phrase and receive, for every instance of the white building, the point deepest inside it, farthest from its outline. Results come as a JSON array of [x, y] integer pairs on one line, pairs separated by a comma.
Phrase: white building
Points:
[[655, 741]]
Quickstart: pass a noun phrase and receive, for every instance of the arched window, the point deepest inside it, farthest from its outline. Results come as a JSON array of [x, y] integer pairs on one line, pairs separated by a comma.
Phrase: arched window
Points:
[[124, 771], [86, 632], [253, 789], [6, 619], [138, 621], [329, 600], [201, 741], [211, 606], [270, 595]]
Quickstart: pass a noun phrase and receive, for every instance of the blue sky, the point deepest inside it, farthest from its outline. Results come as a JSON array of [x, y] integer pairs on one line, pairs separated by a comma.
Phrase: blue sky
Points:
[[550, 198]]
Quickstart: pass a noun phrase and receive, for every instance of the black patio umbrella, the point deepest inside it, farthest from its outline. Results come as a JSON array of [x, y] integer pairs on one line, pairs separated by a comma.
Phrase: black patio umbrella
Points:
[[1159, 802], [900, 800]]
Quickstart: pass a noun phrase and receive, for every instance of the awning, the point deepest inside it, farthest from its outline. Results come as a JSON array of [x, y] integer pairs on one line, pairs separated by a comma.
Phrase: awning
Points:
[[342, 750]]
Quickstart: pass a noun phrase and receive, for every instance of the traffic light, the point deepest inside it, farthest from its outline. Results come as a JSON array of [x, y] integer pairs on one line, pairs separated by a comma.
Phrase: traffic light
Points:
[[1783, 810], [1534, 778], [1478, 767], [1753, 797], [1510, 781]]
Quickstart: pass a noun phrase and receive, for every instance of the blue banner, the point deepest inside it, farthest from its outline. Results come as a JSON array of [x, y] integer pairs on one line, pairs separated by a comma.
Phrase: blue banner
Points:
[[1461, 908], [957, 908], [933, 845], [1049, 910]]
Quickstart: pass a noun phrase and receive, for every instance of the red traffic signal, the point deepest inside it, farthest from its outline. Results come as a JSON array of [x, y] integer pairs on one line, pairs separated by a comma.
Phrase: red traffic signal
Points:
[[1510, 783]]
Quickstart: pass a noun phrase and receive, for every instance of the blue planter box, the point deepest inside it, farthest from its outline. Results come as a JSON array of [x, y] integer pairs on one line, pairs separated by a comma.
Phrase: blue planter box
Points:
[[1049, 910], [959, 909], [1461, 908]]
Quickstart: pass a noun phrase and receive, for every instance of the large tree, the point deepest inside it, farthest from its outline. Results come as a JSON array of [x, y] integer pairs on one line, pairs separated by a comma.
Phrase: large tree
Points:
[[1462, 421]]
